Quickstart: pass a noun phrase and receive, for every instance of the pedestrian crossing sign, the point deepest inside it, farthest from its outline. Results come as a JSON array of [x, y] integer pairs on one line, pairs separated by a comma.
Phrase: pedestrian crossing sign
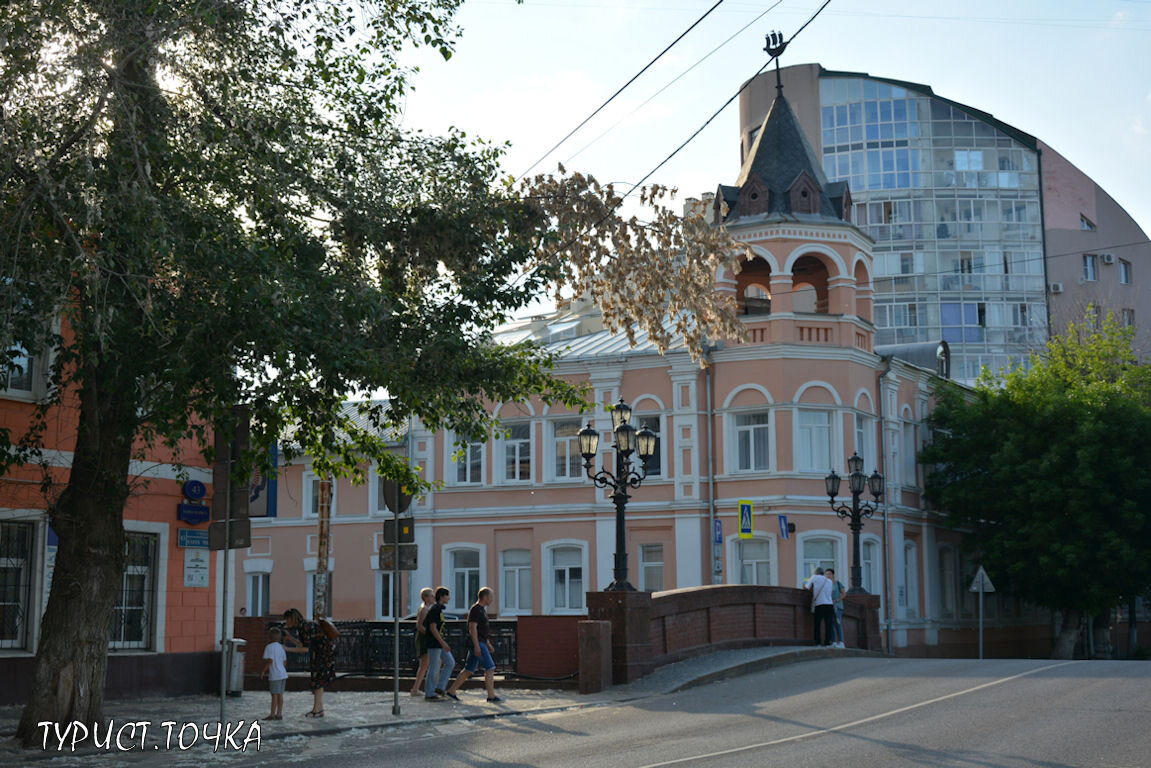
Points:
[[746, 519]]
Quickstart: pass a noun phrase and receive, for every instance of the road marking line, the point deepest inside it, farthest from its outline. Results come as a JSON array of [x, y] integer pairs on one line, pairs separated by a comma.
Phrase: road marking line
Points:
[[854, 723]]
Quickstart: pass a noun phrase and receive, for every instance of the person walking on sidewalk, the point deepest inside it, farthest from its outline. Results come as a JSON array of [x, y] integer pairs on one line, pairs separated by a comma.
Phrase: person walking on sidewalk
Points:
[[480, 649], [821, 605], [276, 672], [838, 592], [440, 659], [428, 596]]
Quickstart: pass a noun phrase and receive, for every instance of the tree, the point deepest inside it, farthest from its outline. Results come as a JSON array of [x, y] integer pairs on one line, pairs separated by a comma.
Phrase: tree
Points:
[[1046, 470], [207, 203]]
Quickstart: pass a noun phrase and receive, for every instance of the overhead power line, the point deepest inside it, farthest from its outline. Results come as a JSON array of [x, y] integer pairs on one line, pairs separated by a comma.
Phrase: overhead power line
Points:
[[673, 82], [622, 88]]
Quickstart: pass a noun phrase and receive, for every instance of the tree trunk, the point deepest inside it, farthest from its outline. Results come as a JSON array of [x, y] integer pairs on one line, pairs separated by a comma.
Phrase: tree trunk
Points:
[[72, 654], [1068, 634], [1101, 628]]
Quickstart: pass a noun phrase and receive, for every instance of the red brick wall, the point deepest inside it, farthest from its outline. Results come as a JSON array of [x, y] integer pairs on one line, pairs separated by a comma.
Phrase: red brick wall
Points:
[[685, 622], [547, 646]]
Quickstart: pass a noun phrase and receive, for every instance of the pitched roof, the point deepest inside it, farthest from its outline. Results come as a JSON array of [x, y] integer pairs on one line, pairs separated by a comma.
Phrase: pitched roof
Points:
[[780, 155]]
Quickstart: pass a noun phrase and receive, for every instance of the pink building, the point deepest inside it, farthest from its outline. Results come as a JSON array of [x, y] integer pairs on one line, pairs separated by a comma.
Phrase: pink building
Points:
[[764, 421]]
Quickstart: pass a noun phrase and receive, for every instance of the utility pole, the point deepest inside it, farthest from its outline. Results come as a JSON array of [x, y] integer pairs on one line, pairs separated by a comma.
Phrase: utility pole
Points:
[[320, 605]]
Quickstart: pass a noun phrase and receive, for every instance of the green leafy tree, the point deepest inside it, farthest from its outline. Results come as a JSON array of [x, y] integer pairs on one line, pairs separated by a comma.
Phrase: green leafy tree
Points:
[[206, 203], [1046, 468]]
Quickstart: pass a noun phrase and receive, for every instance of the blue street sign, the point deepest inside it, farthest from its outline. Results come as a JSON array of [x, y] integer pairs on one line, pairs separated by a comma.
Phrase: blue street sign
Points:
[[746, 519], [186, 537], [192, 513], [718, 531], [195, 490], [783, 532]]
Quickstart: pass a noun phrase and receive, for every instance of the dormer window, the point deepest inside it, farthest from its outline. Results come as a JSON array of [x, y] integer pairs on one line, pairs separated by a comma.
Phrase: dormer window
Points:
[[563, 331], [804, 194]]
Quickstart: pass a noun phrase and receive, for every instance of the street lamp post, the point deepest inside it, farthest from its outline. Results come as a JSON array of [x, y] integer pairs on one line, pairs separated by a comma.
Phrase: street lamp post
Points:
[[627, 441], [858, 483]]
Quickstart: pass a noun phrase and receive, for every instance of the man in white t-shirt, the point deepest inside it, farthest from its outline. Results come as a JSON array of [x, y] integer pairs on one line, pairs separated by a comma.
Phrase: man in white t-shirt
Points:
[[822, 605], [274, 660]]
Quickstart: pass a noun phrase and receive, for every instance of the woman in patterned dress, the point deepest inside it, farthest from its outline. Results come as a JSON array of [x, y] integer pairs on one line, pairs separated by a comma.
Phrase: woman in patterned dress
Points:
[[323, 660]]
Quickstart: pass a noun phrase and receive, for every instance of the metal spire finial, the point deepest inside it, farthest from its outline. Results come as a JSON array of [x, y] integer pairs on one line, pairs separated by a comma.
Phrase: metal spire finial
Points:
[[776, 45]]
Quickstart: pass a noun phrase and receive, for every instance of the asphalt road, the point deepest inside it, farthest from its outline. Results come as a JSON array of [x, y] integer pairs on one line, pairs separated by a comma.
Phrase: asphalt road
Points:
[[863, 713]]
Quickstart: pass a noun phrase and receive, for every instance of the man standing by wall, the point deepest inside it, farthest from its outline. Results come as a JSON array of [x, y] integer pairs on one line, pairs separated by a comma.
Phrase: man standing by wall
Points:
[[822, 606]]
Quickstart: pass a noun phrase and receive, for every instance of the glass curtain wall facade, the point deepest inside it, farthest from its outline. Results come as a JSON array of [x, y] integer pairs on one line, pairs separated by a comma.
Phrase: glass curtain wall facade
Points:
[[953, 205]]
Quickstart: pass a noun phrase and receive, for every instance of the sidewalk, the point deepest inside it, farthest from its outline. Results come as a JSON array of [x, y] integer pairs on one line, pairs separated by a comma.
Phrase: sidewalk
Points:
[[345, 711]]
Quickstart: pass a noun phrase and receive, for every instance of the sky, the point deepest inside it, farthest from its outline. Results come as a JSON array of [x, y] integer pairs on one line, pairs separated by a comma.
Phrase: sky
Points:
[[1074, 74]]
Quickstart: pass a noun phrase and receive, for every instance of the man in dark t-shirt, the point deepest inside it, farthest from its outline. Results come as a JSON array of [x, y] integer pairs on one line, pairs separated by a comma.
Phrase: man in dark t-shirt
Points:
[[440, 659], [480, 648]]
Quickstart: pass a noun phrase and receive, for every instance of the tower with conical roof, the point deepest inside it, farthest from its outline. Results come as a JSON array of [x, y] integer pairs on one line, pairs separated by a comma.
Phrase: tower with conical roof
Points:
[[812, 268]]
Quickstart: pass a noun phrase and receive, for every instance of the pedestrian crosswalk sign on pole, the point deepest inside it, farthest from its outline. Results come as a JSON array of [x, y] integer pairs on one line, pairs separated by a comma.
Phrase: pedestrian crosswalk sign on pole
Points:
[[746, 519]]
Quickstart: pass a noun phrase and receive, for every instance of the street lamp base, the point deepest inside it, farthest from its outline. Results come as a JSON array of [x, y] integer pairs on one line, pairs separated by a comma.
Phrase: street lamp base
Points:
[[620, 586]]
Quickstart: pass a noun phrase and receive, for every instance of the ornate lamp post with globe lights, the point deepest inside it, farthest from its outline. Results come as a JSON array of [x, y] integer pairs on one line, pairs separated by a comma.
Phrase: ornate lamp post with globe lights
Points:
[[627, 441], [858, 483]]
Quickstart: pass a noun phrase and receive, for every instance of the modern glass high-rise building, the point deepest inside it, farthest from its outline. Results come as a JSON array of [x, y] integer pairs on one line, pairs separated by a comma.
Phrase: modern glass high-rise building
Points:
[[953, 199]]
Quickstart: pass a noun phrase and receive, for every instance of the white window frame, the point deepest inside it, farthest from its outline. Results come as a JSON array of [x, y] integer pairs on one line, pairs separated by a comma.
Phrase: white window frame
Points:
[[909, 445], [1090, 267], [500, 457], [309, 479], [448, 572], [839, 554], [547, 587], [642, 565], [505, 599], [1124, 272], [809, 463], [453, 464], [160, 568], [254, 599], [735, 430], [735, 567], [864, 436], [553, 454]]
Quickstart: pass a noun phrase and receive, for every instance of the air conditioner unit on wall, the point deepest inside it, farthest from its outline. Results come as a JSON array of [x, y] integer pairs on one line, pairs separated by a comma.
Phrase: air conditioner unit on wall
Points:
[[1108, 258], [1056, 287]]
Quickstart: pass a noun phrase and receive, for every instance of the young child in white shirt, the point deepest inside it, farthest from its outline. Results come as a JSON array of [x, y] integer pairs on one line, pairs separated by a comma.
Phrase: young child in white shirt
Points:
[[276, 672]]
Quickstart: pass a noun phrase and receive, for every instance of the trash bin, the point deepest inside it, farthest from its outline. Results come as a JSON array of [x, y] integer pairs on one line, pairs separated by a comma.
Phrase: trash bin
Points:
[[235, 661]]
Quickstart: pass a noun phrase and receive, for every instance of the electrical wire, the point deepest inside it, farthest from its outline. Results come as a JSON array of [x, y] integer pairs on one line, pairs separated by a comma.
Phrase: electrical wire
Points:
[[622, 88], [673, 82]]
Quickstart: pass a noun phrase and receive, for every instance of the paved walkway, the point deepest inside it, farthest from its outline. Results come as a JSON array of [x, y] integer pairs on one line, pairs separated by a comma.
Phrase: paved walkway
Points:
[[345, 711]]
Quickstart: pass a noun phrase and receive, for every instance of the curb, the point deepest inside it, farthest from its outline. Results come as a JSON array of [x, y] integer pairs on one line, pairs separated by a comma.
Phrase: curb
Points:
[[768, 662]]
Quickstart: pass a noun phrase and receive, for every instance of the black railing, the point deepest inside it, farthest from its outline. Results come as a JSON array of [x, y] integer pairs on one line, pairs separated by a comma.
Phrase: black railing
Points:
[[367, 647]]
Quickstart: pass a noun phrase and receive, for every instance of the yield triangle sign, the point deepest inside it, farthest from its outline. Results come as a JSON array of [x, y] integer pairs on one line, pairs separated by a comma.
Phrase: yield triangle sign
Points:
[[981, 583]]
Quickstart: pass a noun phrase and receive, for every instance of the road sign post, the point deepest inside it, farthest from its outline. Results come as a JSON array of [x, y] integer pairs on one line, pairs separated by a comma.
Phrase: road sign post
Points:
[[981, 584]]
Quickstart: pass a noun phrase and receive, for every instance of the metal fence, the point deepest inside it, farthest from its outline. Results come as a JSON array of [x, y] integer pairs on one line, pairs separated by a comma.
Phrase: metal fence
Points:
[[366, 647]]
